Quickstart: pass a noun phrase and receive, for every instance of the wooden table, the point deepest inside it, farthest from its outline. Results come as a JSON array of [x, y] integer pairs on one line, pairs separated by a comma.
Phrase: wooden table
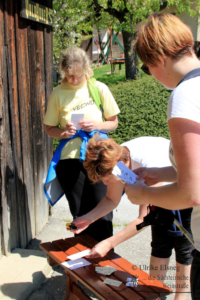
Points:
[[114, 62], [147, 288]]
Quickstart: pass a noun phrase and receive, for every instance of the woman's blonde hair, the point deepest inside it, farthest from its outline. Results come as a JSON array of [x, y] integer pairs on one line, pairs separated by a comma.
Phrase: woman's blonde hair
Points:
[[75, 56], [101, 157], [163, 35]]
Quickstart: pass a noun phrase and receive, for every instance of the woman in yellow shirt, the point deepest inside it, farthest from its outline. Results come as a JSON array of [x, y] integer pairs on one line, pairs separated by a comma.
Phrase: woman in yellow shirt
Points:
[[70, 97]]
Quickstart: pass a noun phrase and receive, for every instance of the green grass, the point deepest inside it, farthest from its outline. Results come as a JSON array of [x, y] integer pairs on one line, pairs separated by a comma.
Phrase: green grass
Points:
[[116, 225], [125, 224], [67, 220], [103, 74]]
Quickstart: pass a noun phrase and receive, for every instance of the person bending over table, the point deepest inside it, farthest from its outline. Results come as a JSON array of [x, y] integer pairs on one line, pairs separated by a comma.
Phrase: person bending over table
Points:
[[101, 156]]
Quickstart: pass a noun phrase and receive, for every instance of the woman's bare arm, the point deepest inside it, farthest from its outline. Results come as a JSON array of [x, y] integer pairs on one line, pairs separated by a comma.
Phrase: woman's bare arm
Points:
[[156, 175], [129, 231], [58, 133]]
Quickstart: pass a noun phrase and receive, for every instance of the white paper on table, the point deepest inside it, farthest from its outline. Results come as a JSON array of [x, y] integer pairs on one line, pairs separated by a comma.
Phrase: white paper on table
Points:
[[75, 264], [76, 118], [107, 270], [112, 282], [124, 173], [79, 254]]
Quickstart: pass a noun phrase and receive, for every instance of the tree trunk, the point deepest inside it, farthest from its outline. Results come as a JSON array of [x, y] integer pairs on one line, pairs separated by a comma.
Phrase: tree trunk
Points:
[[130, 63]]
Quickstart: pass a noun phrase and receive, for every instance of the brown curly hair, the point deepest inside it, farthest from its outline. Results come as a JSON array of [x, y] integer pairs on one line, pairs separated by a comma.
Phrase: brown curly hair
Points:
[[101, 157]]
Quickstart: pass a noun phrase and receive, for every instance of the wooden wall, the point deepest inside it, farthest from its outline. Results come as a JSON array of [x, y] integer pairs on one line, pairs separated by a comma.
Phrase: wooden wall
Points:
[[26, 81]]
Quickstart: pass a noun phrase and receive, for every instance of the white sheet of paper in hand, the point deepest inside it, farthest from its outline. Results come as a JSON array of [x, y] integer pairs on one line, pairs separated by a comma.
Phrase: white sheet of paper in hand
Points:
[[124, 173], [79, 254], [75, 264], [75, 119]]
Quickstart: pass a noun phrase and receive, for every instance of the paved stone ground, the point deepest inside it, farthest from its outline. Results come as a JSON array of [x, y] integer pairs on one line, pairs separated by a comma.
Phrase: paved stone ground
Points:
[[136, 250]]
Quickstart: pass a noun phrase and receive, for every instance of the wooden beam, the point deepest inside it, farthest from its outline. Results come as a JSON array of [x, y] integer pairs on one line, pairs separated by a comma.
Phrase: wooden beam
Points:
[[23, 72], [15, 119], [38, 105]]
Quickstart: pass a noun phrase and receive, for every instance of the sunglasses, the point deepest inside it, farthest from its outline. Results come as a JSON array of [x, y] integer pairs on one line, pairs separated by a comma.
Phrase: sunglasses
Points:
[[145, 69]]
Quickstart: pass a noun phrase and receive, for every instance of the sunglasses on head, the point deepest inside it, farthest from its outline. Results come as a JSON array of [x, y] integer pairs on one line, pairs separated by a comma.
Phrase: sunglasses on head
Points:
[[145, 69]]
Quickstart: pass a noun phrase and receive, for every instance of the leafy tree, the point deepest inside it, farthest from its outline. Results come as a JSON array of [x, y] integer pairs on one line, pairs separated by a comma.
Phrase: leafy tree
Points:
[[75, 17], [70, 26]]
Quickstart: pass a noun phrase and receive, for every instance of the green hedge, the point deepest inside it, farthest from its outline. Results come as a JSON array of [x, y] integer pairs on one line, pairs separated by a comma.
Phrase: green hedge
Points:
[[143, 106]]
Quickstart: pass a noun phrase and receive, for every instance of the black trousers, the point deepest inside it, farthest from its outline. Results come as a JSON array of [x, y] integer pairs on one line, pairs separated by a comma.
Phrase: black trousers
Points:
[[83, 196], [195, 275], [163, 243]]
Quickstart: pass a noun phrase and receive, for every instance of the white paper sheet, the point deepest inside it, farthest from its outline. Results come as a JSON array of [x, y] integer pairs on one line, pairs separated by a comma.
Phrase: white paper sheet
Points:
[[79, 254], [112, 282], [75, 264], [76, 118], [105, 270], [124, 173]]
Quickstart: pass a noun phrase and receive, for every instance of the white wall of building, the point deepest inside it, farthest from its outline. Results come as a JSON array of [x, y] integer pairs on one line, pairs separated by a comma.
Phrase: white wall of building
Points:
[[95, 50]]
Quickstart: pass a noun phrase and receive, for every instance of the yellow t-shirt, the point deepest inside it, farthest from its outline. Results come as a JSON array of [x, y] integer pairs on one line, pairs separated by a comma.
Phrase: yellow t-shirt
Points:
[[66, 99]]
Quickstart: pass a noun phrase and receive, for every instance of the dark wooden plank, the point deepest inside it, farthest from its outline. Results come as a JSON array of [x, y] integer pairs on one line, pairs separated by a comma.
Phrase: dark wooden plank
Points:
[[76, 290], [14, 204], [48, 69], [2, 128], [72, 288], [15, 120], [25, 119], [68, 248], [155, 285], [11, 208], [37, 87], [51, 261], [53, 251], [8, 208], [9, 199], [68, 283]]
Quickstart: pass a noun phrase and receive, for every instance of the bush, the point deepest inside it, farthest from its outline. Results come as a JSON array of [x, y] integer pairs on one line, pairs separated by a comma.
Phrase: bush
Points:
[[143, 106], [55, 144]]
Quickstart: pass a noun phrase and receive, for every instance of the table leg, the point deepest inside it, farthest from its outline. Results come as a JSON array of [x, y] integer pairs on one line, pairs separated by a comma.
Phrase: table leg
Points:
[[120, 67], [51, 261], [70, 281], [73, 291]]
